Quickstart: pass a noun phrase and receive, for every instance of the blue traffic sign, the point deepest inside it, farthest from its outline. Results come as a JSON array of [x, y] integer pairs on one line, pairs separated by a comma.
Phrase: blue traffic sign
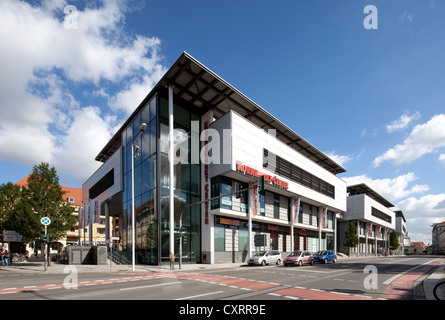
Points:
[[45, 221]]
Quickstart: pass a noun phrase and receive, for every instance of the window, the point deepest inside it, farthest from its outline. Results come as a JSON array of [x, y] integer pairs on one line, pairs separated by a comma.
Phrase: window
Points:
[[292, 172], [220, 238], [220, 186], [103, 184], [262, 204], [71, 199], [300, 214], [244, 202], [276, 206], [310, 215], [243, 240], [379, 214]]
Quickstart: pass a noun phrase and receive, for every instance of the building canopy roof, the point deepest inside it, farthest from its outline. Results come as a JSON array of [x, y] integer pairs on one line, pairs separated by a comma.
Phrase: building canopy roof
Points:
[[199, 86], [364, 189]]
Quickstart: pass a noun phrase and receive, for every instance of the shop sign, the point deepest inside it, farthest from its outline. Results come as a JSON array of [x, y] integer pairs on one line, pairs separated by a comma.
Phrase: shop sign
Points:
[[303, 232], [273, 228], [229, 222], [241, 167]]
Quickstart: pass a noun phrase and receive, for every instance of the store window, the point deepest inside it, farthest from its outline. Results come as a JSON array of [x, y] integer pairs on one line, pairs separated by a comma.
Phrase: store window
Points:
[[276, 206], [262, 204], [220, 235], [220, 186]]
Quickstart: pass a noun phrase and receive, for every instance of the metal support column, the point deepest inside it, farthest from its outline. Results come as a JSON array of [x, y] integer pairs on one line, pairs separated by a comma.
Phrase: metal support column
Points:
[[171, 168]]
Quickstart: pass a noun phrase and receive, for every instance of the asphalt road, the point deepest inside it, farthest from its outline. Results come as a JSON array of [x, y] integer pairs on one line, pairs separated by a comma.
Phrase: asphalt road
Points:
[[367, 279]]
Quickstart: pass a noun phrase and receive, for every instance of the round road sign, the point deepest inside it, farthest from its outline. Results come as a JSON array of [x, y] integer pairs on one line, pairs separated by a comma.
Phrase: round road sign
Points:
[[45, 221]]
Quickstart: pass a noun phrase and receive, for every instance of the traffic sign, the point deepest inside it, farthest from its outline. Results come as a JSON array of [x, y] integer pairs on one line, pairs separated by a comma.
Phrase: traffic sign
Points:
[[45, 221], [12, 238]]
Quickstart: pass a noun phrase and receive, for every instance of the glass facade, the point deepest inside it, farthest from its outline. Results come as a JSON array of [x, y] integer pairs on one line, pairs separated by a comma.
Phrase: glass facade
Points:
[[145, 191], [187, 185], [151, 178]]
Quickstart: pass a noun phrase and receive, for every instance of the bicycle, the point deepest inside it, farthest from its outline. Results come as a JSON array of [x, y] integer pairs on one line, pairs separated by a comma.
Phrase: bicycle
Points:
[[439, 290]]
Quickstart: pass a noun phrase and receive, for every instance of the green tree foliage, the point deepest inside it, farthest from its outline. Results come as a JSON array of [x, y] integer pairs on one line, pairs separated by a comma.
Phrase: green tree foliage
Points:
[[352, 239], [22, 208], [393, 241], [45, 198]]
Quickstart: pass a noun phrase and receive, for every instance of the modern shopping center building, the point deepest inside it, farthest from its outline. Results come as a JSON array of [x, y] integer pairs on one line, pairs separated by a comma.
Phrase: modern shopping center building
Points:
[[223, 142]]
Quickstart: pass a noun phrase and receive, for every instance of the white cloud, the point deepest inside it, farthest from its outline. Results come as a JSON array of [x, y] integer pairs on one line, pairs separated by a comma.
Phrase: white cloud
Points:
[[341, 160], [391, 189], [42, 62], [404, 120], [442, 158], [424, 138], [421, 213]]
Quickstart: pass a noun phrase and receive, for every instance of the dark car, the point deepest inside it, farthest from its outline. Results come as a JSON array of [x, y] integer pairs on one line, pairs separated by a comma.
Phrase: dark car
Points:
[[325, 256], [299, 258]]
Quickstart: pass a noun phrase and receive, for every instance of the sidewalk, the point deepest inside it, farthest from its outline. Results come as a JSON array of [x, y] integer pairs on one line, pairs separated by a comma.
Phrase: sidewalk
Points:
[[431, 280]]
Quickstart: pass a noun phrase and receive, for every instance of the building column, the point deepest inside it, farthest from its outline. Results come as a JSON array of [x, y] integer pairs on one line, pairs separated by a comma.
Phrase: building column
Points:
[[171, 155], [366, 240], [252, 211], [358, 235], [107, 223], [335, 231]]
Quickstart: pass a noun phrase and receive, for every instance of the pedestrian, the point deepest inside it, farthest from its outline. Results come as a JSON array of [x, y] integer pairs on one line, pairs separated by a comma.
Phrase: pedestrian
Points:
[[5, 256], [172, 261], [36, 252]]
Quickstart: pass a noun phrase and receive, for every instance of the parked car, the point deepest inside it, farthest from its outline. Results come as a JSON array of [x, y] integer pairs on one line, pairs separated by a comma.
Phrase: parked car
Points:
[[325, 256], [266, 257], [299, 258]]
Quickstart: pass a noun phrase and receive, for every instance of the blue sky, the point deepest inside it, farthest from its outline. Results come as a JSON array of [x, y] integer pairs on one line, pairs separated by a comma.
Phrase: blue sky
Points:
[[371, 99]]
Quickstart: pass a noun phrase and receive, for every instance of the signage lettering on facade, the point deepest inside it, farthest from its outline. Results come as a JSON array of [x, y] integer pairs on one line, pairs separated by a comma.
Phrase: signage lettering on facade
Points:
[[241, 167], [229, 222]]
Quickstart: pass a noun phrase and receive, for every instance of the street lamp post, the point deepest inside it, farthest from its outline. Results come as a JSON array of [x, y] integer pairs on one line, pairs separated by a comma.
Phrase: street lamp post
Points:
[[134, 153]]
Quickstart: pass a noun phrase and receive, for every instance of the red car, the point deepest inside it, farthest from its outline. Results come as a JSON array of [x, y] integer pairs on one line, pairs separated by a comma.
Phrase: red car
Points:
[[299, 258]]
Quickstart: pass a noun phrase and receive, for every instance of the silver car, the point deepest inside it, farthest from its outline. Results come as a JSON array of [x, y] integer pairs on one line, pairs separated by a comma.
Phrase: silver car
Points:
[[265, 257]]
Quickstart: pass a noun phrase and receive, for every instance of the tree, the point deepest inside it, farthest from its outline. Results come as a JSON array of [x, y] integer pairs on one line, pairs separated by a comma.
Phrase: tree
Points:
[[352, 239], [10, 195], [394, 241], [45, 199], [15, 213]]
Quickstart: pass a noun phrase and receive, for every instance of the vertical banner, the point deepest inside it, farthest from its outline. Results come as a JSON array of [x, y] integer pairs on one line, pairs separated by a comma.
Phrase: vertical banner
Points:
[[323, 218], [255, 201], [86, 214], [95, 211], [81, 218]]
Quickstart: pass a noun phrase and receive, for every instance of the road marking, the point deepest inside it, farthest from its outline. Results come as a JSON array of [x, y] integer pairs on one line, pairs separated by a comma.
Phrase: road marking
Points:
[[405, 272], [153, 285], [199, 295]]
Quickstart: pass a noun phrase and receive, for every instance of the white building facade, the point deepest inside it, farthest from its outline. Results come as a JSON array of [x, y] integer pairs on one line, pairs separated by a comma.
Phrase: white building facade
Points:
[[204, 139], [373, 218]]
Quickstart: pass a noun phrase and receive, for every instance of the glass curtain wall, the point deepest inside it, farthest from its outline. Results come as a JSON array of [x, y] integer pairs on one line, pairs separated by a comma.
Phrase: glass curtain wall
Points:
[[145, 191], [187, 184]]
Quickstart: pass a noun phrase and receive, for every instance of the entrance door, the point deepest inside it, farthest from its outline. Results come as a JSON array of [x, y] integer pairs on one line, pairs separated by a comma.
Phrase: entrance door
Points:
[[274, 241]]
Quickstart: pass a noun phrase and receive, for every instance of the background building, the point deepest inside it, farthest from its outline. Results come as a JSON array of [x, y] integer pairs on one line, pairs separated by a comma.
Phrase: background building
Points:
[[402, 233], [438, 238], [373, 218]]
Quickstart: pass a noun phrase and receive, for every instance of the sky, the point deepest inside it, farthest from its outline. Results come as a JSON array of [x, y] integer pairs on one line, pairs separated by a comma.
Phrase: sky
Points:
[[363, 84]]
